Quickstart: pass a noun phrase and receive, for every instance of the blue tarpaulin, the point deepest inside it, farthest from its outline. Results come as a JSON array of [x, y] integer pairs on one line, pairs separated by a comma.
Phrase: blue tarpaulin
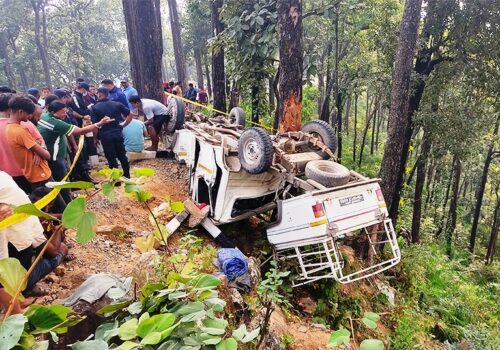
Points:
[[232, 262]]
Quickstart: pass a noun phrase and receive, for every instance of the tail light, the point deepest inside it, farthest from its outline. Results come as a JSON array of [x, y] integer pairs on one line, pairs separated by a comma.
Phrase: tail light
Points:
[[318, 210], [380, 196]]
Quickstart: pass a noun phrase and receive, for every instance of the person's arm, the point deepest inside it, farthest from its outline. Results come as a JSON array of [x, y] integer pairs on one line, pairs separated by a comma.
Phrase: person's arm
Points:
[[127, 121], [144, 130], [125, 112], [89, 128], [54, 245], [5, 211], [40, 151]]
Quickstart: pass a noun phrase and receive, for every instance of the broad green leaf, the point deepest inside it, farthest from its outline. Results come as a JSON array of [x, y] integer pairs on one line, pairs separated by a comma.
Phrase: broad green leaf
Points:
[[209, 339], [132, 187], [76, 216], [177, 277], [251, 335], [339, 337], [11, 275], [135, 308], [194, 316], [106, 331], [128, 330], [227, 344], [90, 345], [11, 330], [111, 174], [215, 323], [161, 234], [129, 345], [108, 189], [79, 185], [206, 281], [369, 323], [156, 323], [239, 333], [142, 196], [177, 295], [371, 344], [41, 345], [145, 243], [216, 304], [45, 318], [143, 172], [31, 209], [177, 207], [152, 338], [111, 308], [186, 309], [372, 316]]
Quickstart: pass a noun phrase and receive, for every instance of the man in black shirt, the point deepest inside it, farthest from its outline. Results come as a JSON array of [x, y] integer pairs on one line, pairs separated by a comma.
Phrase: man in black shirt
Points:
[[111, 133]]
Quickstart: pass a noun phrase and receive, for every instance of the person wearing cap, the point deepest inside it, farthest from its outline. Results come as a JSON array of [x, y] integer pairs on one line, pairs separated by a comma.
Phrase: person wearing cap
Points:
[[34, 92], [128, 90], [114, 93], [110, 135], [77, 104]]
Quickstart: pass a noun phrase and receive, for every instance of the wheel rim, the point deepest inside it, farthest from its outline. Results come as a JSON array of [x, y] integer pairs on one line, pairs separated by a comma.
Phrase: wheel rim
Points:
[[251, 151]]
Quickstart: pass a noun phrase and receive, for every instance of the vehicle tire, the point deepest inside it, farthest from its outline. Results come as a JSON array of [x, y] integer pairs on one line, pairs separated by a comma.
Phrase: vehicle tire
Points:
[[324, 132], [328, 173], [177, 118], [237, 116], [255, 150]]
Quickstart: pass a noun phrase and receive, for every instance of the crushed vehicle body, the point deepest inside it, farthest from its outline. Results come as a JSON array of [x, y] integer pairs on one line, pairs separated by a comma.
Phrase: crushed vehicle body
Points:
[[314, 205]]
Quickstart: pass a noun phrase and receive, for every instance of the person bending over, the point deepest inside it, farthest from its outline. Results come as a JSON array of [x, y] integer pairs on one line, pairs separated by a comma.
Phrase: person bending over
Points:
[[156, 114]]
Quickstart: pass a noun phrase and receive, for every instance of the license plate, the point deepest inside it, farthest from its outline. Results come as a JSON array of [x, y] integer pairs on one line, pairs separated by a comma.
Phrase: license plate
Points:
[[351, 200]]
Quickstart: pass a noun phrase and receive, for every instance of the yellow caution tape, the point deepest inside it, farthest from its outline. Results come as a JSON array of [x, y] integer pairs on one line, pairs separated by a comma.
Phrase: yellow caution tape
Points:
[[43, 202]]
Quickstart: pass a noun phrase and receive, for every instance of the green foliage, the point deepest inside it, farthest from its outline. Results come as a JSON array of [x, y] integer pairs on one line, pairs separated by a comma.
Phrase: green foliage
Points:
[[11, 275], [371, 344], [11, 330], [339, 337], [76, 216], [270, 288]]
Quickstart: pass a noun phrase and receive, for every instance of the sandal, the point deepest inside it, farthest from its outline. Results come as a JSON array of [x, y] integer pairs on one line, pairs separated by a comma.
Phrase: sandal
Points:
[[69, 257], [37, 291]]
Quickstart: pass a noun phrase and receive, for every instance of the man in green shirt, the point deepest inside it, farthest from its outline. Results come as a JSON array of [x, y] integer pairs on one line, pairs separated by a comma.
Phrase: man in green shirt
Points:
[[54, 131]]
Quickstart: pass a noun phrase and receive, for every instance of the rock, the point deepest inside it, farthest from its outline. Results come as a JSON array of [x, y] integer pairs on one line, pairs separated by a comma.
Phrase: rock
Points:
[[60, 270], [307, 304], [320, 326], [303, 329], [388, 291], [108, 243], [51, 278]]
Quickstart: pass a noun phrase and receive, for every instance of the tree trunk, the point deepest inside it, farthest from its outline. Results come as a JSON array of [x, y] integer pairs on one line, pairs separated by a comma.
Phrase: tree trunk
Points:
[[321, 90], [444, 220], [255, 102], [339, 126], [394, 160], [374, 128], [41, 37], [452, 216], [490, 253], [419, 187], [368, 119], [22, 70], [355, 128], [7, 66], [480, 190], [218, 73], [325, 107], [209, 79], [291, 51], [347, 113], [199, 67], [338, 93], [234, 98], [380, 119], [143, 23], [180, 62]]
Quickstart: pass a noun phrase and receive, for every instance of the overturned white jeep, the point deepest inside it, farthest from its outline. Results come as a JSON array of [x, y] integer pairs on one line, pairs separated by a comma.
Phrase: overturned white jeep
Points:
[[314, 204]]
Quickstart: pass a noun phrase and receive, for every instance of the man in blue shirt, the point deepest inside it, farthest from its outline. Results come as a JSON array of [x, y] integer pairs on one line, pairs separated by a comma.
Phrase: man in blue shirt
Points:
[[128, 90], [191, 93], [115, 94], [111, 134]]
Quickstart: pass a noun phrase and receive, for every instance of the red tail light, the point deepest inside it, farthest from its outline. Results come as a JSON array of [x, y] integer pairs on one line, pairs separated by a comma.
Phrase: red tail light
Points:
[[318, 210], [380, 196]]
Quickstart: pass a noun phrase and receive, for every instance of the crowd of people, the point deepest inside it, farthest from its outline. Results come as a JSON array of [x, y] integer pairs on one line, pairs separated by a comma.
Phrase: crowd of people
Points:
[[39, 133]]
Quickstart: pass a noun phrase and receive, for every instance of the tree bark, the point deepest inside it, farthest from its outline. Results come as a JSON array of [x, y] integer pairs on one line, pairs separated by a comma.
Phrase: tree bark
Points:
[[480, 190], [7, 66], [355, 128], [394, 159], [199, 67], [419, 187], [234, 99], [180, 62], [255, 102], [452, 216], [22, 70], [291, 51], [218, 73], [41, 40], [209, 78], [495, 227], [143, 23]]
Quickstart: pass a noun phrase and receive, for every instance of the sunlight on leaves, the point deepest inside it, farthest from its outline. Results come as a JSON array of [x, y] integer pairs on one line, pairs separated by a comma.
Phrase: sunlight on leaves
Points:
[[11, 275], [76, 216]]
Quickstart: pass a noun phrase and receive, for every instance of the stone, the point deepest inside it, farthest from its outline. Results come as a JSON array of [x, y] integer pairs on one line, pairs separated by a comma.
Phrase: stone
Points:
[[307, 305], [303, 329], [60, 270], [51, 278]]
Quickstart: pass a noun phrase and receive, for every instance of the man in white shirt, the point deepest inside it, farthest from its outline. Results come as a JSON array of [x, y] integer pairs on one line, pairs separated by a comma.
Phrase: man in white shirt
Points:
[[156, 115]]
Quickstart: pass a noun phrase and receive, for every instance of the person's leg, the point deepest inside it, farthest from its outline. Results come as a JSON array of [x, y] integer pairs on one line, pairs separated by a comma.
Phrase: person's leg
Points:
[[24, 256], [122, 155], [5, 299], [108, 145], [23, 183], [43, 268], [59, 170]]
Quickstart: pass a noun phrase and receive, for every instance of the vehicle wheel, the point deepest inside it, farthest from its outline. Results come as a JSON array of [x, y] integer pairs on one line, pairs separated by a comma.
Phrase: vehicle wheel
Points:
[[177, 118], [322, 130], [255, 150], [328, 173], [237, 116]]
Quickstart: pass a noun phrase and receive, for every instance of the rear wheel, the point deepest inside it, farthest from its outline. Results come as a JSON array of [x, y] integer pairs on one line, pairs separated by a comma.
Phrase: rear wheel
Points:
[[237, 116], [255, 150], [323, 131], [177, 116], [327, 173]]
